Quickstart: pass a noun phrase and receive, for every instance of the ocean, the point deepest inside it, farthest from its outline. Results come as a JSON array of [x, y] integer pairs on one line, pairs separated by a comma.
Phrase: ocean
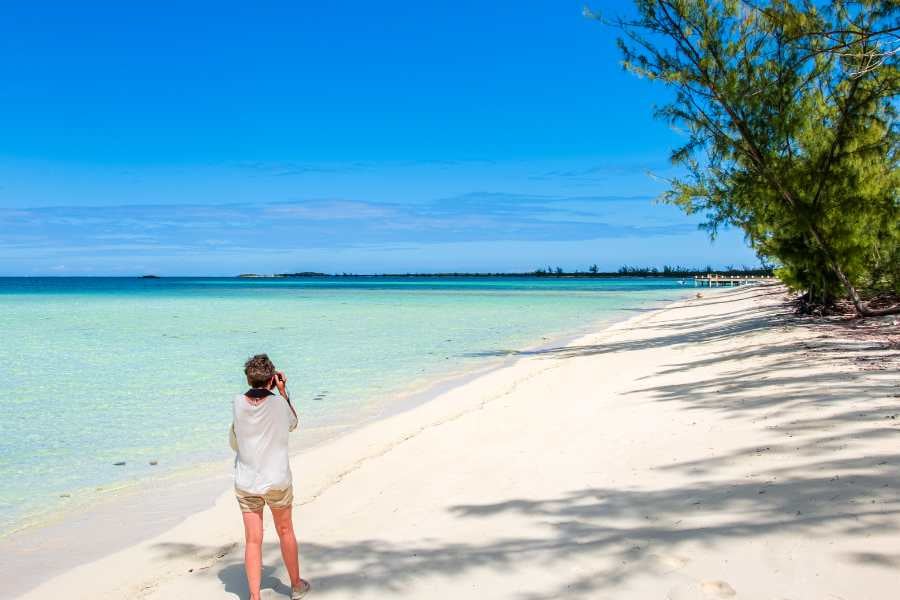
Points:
[[100, 371]]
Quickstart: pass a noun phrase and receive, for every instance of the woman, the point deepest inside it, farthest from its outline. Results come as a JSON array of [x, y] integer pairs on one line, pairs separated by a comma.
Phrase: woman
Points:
[[262, 472]]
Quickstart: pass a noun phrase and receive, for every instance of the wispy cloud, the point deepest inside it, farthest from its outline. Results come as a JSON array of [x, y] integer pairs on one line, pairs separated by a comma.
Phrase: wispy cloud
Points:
[[297, 168], [265, 169], [325, 210], [62, 234], [602, 172], [335, 222]]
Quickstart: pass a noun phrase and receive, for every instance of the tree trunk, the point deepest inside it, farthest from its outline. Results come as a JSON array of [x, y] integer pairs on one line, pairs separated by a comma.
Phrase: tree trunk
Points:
[[861, 307], [862, 310]]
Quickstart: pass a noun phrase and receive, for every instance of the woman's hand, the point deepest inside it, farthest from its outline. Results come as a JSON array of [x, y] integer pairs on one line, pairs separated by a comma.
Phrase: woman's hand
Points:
[[280, 382]]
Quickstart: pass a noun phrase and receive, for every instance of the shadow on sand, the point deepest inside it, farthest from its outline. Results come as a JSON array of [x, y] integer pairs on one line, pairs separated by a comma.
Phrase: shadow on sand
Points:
[[825, 490]]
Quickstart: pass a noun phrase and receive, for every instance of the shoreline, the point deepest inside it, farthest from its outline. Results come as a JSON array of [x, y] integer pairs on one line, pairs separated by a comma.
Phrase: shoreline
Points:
[[197, 487], [715, 448]]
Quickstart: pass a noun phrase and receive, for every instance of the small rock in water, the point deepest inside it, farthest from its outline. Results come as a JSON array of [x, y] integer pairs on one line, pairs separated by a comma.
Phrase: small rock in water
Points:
[[153, 463], [119, 464], [65, 495]]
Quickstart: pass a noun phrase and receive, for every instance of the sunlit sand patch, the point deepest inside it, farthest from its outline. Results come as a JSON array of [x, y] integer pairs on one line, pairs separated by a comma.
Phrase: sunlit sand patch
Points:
[[717, 589], [670, 562]]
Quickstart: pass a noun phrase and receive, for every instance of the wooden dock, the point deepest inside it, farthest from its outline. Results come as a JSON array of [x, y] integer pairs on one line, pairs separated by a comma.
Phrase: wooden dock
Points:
[[727, 280]]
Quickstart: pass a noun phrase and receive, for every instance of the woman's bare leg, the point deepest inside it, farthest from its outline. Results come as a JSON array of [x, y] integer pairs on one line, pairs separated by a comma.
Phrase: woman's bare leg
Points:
[[253, 537], [284, 526]]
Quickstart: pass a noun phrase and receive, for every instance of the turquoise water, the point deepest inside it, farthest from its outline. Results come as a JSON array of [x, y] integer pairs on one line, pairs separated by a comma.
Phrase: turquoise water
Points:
[[99, 371]]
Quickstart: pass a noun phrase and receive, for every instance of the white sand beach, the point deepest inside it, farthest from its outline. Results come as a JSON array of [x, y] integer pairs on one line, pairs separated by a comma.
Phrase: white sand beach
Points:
[[711, 449]]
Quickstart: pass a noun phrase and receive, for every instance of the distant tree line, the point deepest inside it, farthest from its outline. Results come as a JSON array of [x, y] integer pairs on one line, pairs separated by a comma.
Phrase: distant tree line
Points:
[[665, 271], [550, 271]]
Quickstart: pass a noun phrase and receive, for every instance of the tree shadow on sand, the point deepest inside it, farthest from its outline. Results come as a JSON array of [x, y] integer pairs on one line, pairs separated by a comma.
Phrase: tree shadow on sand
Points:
[[635, 532], [828, 488]]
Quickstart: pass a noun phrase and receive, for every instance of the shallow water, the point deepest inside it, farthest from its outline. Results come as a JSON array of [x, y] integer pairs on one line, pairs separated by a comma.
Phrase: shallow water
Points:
[[107, 370]]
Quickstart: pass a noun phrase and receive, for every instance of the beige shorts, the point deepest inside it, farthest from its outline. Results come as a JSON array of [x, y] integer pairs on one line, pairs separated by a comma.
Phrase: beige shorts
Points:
[[274, 498]]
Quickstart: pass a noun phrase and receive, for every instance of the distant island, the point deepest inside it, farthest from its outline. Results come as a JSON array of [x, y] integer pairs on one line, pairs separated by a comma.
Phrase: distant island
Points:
[[555, 272]]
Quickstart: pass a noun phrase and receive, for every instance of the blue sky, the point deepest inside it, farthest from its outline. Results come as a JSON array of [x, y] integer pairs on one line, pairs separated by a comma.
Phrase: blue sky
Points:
[[226, 137]]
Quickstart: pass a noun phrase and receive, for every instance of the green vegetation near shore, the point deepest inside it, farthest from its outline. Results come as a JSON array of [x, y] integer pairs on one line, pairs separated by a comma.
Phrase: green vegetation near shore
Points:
[[789, 108], [592, 271]]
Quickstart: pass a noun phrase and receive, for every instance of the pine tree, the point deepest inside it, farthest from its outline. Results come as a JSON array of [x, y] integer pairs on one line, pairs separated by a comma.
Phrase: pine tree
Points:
[[790, 115]]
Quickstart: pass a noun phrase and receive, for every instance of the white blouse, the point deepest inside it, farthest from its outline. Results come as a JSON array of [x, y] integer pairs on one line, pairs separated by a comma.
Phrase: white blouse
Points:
[[259, 435]]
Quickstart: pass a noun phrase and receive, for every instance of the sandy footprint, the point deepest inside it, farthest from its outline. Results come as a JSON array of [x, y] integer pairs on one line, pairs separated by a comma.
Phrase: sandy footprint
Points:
[[670, 562], [717, 589]]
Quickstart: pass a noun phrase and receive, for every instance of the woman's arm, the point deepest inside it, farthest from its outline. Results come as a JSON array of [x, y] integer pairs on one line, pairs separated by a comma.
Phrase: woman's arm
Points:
[[294, 418], [232, 438], [281, 383]]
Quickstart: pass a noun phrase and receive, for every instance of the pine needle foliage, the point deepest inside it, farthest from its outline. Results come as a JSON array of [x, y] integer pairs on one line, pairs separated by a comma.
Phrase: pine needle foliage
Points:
[[789, 110]]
